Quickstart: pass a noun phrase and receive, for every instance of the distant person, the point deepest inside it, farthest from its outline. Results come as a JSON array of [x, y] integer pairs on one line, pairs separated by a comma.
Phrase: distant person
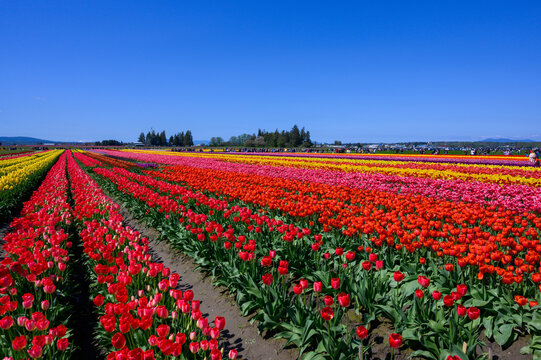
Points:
[[533, 157]]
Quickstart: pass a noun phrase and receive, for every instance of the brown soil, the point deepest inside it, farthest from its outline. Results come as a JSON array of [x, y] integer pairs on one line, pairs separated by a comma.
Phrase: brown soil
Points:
[[239, 333], [4, 229]]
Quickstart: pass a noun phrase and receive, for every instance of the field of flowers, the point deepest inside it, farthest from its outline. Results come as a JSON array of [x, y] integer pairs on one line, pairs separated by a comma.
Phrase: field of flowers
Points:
[[441, 253], [19, 175], [322, 247], [141, 314]]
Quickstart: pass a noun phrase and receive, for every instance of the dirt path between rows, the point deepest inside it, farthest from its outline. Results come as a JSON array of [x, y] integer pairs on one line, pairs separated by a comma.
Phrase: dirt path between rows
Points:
[[239, 333], [4, 229]]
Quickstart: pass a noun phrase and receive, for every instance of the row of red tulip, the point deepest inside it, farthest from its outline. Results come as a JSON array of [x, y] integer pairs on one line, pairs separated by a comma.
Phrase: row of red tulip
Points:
[[87, 160], [32, 311], [142, 314]]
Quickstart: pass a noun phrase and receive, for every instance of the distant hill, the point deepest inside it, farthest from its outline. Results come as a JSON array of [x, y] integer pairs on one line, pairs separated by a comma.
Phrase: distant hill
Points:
[[197, 142], [503, 140], [23, 140]]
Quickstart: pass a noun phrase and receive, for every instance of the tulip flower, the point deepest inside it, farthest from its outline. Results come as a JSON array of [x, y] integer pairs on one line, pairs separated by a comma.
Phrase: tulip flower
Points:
[[361, 332], [335, 283], [328, 300], [448, 300], [267, 279], [398, 276], [423, 281], [62, 344], [194, 347], [118, 341], [344, 300], [473, 313], [327, 313], [395, 340]]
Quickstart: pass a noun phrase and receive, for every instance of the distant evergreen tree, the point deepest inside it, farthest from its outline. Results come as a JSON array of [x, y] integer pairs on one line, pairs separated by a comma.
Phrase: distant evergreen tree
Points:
[[163, 139], [160, 139], [188, 139], [294, 137]]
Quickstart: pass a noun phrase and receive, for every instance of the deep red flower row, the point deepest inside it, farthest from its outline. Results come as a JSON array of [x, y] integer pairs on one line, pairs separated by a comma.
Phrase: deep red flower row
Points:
[[141, 313], [32, 311]]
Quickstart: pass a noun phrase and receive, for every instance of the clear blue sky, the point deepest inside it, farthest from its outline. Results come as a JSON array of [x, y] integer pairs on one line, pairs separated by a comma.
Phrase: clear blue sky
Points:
[[354, 71]]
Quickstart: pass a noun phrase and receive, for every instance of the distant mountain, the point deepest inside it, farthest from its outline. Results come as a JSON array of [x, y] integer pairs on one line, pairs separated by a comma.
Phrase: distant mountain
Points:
[[503, 140], [23, 140], [197, 142]]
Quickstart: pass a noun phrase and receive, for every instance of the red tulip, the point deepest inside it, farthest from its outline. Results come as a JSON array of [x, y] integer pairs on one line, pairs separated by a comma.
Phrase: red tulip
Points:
[[19, 343], [267, 279], [398, 276], [62, 344], [448, 300], [361, 331], [344, 300], [118, 341], [423, 281], [215, 354], [328, 300], [419, 293], [6, 322], [327, 313], [318, 286], [436, 295], [214, 333], [521, 300], [233, 354], [473, 313], [35, 351], [395, 340], [367, 265], [194, 347], [219, 322], [461, 310], [462, 289], [297, 289], [335, 283], [163, 330]]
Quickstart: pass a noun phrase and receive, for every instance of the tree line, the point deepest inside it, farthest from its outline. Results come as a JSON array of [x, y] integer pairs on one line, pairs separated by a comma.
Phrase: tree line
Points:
[[160, 139], [263, 138]]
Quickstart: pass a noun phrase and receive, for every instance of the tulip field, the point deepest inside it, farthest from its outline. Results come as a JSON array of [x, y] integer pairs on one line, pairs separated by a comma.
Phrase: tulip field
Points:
[[320, 250]]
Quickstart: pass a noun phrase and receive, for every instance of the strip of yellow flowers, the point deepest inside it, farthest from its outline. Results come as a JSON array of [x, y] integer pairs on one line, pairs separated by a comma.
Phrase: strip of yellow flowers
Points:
[[5, 163], [12, 176]]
